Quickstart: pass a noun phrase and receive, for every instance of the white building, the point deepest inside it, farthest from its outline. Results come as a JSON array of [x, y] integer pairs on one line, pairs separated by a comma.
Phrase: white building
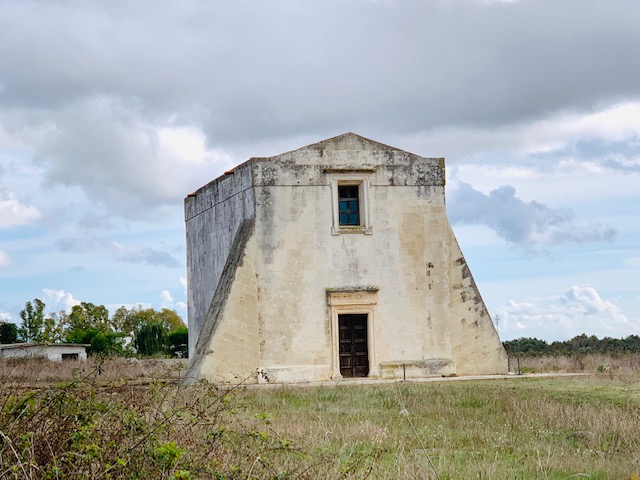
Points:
[[53, 351], [334, 260]]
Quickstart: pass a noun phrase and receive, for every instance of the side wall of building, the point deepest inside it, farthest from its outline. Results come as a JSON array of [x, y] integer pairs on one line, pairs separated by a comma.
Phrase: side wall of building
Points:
[[476, 347], [228, 349], [55, 353], [213, 216], [51, 352]]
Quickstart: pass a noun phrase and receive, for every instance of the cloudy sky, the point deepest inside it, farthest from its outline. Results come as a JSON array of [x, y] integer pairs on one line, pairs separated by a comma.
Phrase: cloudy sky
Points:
[[111, 112]]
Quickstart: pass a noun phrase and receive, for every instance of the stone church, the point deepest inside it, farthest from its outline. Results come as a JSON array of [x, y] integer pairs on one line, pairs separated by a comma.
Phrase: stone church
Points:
[[332, 261]]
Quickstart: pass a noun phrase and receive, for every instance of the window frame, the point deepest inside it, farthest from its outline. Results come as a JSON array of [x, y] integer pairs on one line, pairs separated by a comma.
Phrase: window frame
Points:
[[348, 199], [364, 203]]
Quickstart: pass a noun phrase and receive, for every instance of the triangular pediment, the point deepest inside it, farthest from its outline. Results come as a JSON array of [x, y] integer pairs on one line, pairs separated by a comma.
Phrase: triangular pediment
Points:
[[349, 141]]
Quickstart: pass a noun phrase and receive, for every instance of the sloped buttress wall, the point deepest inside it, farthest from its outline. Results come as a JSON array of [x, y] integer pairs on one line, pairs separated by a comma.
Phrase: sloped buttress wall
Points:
[[228, 348], [475, 345]]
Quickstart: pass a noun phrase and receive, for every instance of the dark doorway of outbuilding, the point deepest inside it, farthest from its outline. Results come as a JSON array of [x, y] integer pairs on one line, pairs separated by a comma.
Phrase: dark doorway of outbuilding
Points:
[[354, 354], [70, 356]]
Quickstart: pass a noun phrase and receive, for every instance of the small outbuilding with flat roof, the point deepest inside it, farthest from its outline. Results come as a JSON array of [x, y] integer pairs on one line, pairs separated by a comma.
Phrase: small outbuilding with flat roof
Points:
[[53, 351]]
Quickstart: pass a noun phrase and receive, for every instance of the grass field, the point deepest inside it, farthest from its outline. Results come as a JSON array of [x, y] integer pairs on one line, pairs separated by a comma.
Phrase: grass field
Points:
[[102, 426]]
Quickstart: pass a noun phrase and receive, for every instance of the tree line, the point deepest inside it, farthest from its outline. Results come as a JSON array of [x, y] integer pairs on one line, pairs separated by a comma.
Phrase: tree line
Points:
[[579, 344], [128, 332]]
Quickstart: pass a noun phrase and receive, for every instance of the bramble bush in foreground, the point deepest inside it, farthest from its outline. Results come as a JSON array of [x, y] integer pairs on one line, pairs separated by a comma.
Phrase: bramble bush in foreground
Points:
[[92, 427], [86, 429]]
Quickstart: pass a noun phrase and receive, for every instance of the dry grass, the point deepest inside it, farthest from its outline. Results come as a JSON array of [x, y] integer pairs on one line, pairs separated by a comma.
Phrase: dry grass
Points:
[[91, 427], [39, 372], [521, 428], [105, 426], [613, 364]]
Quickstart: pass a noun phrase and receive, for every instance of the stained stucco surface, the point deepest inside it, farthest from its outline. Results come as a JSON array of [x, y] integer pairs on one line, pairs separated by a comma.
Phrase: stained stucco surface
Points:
[[427, 317]]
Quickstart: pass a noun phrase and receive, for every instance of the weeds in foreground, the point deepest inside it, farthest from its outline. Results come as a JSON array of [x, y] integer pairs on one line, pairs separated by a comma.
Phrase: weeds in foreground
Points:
[[85, 427], [82, 430]]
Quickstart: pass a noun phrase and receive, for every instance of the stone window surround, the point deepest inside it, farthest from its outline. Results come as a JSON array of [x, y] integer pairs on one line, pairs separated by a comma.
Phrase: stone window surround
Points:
[[360, 178], [357, 300]]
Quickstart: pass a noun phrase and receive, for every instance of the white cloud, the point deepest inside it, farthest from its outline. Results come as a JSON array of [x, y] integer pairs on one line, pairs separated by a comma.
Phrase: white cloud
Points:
[[124, 252], [580, 309], [556, 181], [489, 2], [530, 225], [13, 213], [92, 220], [106, 147], [633, 261], [128, 163], [554, 132], [186, 146], [167, 298], [448, 63], [613, 123], [179, 305], [168, 301], [139, 254], [5, 260], [5, 317], [59, 300]]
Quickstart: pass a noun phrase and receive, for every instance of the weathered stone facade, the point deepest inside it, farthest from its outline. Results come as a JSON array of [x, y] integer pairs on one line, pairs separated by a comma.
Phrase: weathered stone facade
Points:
[[284, 286]]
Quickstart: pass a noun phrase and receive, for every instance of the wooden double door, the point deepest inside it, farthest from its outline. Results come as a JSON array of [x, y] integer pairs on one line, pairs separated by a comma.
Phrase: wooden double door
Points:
[[353, 350]]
